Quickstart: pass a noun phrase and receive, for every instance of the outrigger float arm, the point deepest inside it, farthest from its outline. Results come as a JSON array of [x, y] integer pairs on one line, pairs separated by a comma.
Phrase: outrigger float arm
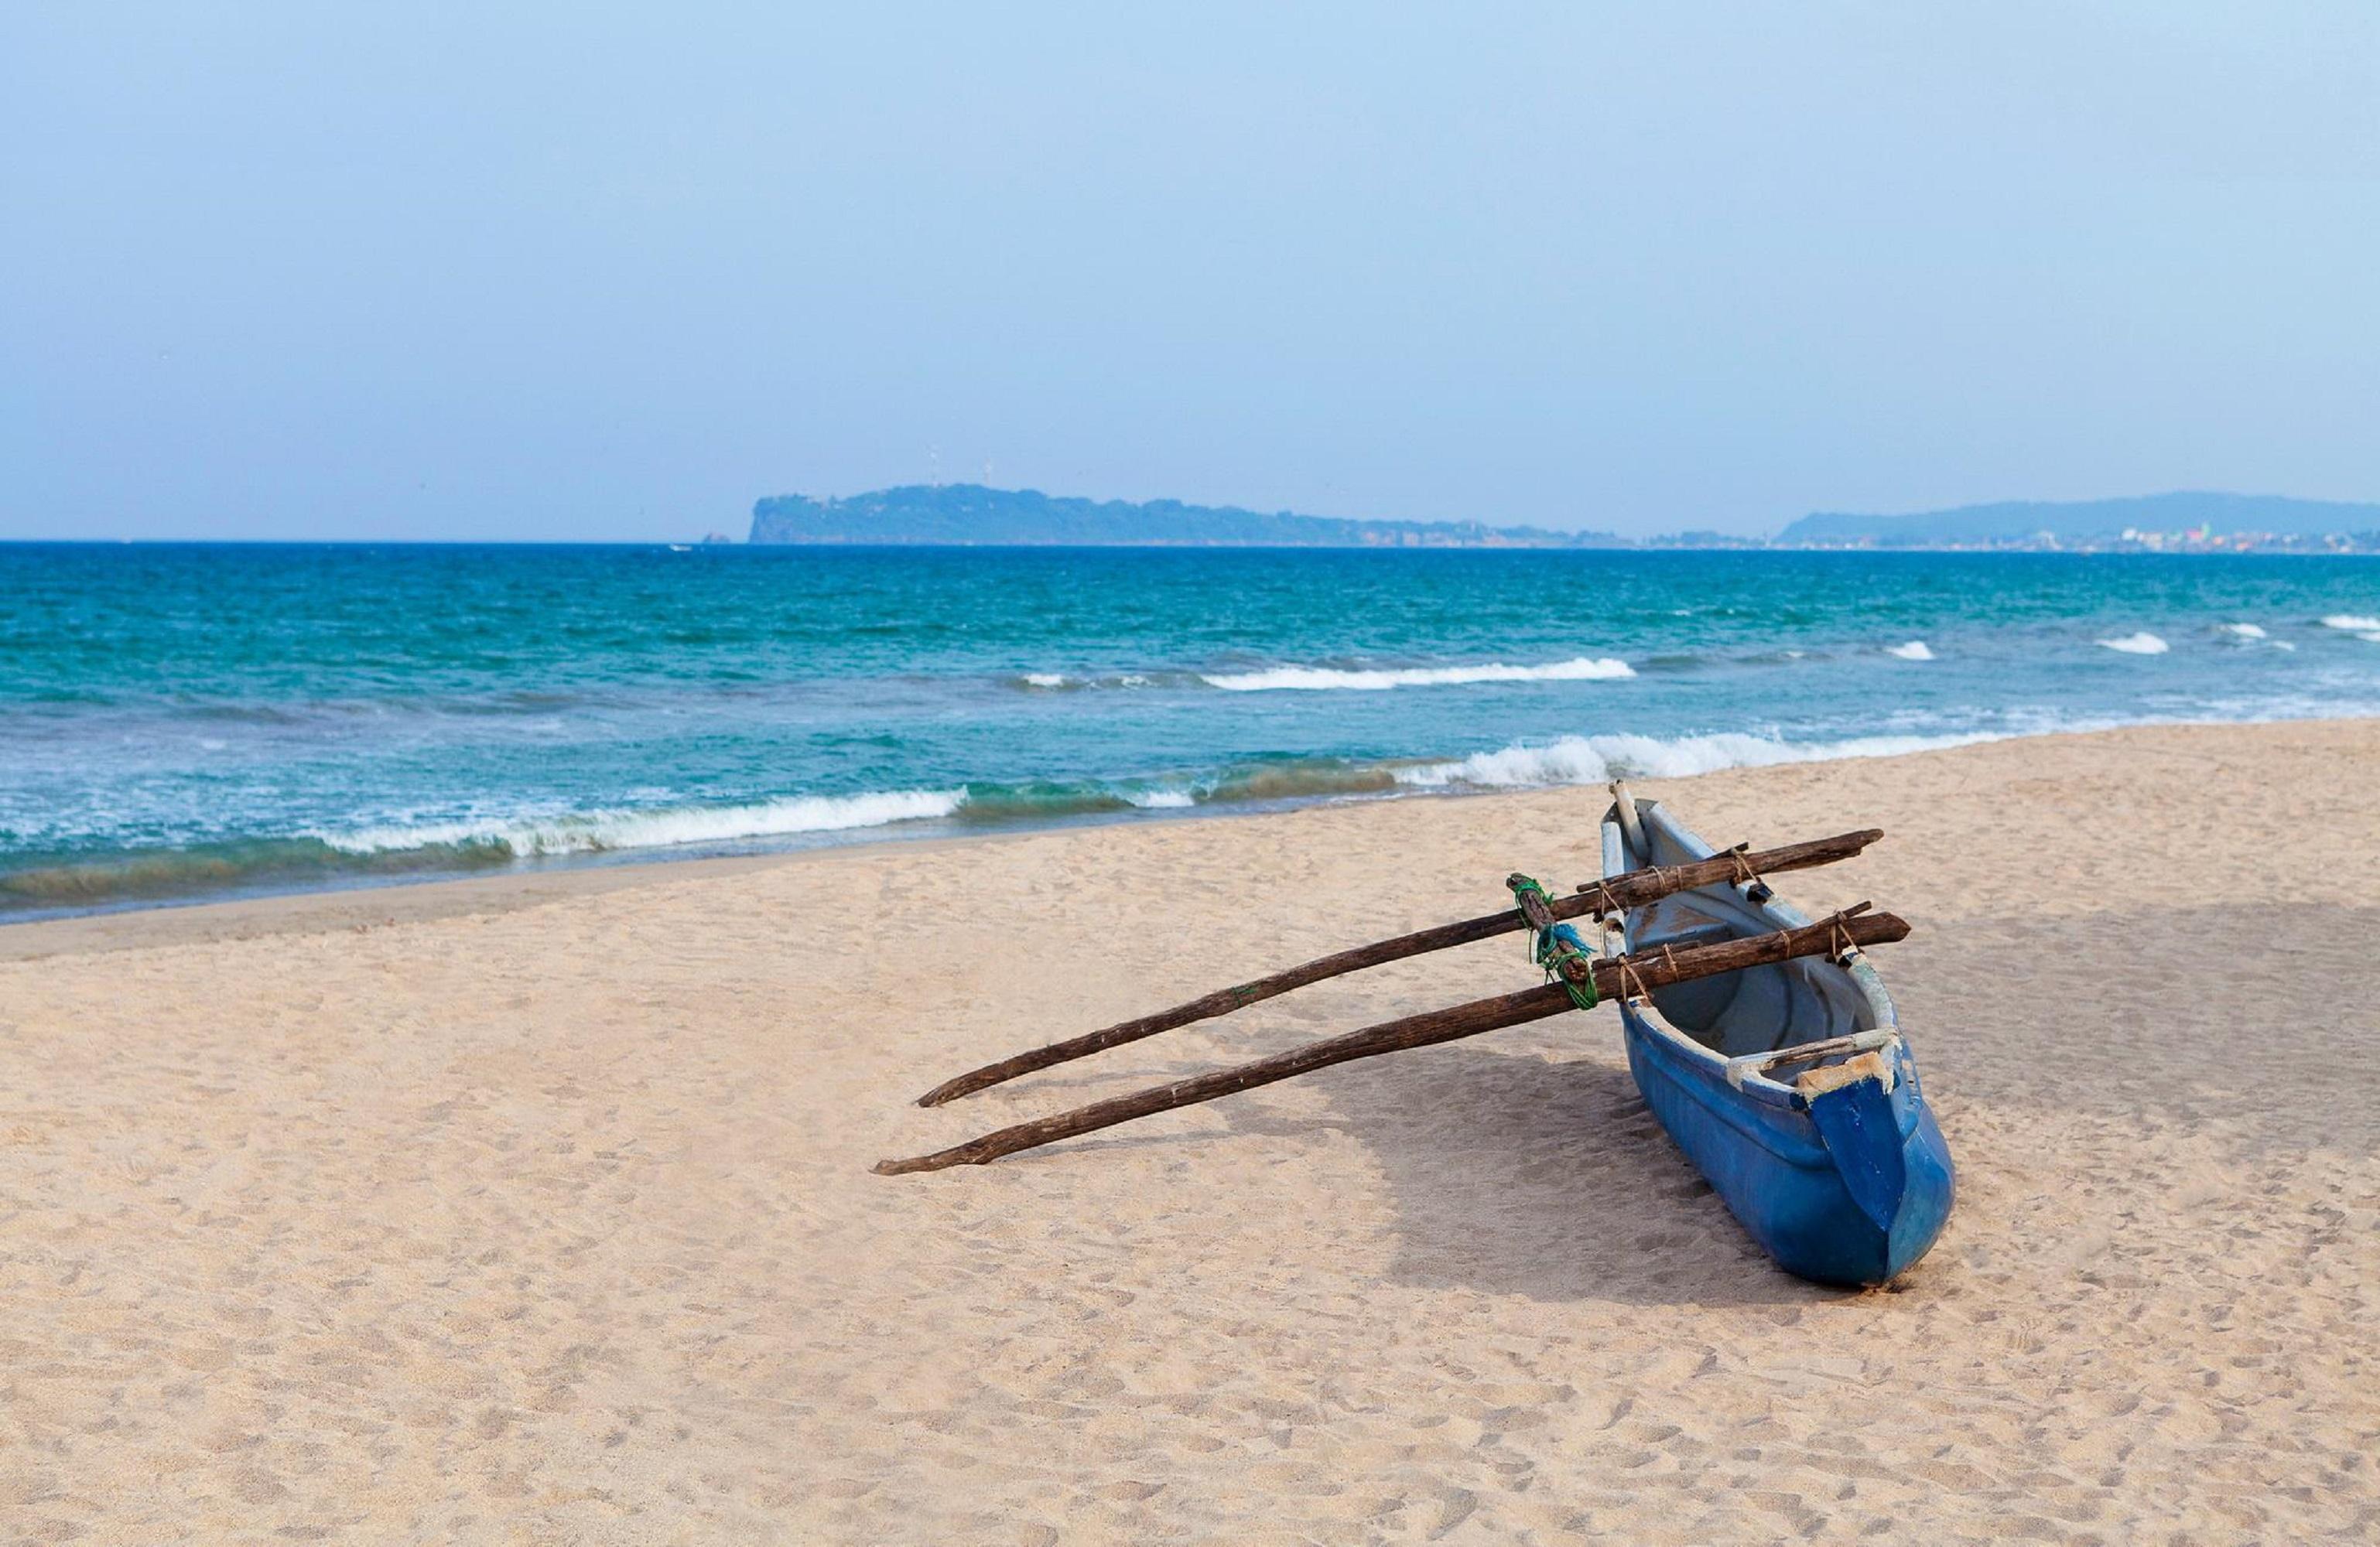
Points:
[[1619, 893], [1593, 978]]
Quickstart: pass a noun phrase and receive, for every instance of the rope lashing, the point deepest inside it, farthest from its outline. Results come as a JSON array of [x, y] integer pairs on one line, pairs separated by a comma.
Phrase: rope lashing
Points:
[[1556, 958], [1605, 903], [1840, 938], [1554, 947], [1524, 888]]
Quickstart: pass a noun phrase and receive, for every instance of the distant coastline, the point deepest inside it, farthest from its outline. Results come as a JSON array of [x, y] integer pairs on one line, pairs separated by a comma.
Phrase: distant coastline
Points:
[[945, 515], [971, 515]]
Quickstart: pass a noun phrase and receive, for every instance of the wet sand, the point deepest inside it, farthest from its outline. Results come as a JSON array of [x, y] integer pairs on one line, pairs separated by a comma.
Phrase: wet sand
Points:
[[539, 1210]]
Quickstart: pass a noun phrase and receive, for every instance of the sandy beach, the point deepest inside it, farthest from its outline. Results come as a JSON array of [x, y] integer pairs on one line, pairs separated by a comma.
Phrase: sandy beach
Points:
[[539, 1209]]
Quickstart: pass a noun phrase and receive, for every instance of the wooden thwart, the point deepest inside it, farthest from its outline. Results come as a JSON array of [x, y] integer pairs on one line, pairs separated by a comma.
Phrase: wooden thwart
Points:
[[1612, 976], [1621, 892]]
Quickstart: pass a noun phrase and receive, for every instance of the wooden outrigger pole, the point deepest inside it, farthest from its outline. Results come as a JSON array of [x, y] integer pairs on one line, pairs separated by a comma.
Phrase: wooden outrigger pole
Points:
[[1580, 981], [1599, 898]]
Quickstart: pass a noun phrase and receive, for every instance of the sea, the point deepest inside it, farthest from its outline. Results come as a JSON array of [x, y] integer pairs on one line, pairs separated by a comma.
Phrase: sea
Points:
[[183, 722]]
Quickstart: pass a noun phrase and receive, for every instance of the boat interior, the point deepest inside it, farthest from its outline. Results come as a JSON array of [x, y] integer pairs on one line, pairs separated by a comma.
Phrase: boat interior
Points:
[[1758, 1009]]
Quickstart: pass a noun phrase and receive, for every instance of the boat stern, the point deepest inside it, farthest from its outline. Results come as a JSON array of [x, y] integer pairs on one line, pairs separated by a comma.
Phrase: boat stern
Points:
[[1846, 1183], [1887, 1155]]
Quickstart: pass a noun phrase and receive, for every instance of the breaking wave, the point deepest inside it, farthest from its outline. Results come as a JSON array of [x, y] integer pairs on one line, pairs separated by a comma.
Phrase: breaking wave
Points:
[[594, 832], [2352, 622], [2140, 644], [1324, 678], [1058, 682], [1594, 759], [2251, 634], [1915, 649]]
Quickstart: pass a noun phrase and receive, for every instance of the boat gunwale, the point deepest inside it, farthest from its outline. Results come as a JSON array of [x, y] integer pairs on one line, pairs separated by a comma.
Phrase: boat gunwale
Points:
[[1759, 1086]]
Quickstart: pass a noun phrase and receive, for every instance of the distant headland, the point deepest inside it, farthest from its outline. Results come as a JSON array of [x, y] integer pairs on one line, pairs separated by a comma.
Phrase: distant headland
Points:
[[973, 515], [970, 515]]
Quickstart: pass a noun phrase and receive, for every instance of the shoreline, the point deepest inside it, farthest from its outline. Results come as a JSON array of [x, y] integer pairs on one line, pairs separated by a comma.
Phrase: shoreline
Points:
[[394, 901]]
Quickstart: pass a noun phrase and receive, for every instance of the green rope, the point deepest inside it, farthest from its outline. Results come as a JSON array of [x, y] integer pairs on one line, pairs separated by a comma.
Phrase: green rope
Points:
[[1523, 887], [1581, 990], [1553, 954]]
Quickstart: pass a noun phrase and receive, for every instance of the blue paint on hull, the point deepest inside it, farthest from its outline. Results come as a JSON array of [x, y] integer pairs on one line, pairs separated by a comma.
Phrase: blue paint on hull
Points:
[[1772, 1168]]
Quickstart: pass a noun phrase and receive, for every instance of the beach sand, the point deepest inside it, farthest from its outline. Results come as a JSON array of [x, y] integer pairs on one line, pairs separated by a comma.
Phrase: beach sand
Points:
[[539, 1210]]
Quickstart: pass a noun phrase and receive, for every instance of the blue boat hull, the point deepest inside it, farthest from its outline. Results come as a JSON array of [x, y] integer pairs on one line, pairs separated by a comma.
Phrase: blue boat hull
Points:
[[1775, 1171], [1788, 1085]]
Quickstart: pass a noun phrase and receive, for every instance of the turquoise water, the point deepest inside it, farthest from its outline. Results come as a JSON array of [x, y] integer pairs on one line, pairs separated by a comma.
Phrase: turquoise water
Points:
[[183, 721]]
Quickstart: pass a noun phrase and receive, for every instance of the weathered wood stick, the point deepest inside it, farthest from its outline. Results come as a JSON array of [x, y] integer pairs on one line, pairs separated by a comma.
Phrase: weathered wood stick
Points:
[[1612, 976], [1632, 890]]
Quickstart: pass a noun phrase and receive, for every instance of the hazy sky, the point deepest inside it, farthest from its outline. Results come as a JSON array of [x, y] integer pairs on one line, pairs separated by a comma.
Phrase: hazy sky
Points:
[[425, 270]]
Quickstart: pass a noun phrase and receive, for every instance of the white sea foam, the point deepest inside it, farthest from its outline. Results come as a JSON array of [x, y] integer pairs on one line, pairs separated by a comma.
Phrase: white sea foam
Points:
[[1593, 759], [1324, 678], [1914, 650], [2140, 644], [1161, 800], [1052, 682], [2352, 622], [2241, 631], [600, 831]]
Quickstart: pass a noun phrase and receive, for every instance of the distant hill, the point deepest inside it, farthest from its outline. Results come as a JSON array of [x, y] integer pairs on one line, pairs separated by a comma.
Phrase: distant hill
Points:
[[961, 514], [2024, 523]]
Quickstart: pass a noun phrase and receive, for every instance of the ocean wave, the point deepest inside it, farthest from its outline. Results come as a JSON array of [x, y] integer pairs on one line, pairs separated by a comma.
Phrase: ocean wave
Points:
[[1326, 678], [592, 832], [2140, 644], [1300, 778], [1916, 649], [81, 882], [1594, 759], [2251, 634], [1058, 682], [413, 850], [2352, 622]]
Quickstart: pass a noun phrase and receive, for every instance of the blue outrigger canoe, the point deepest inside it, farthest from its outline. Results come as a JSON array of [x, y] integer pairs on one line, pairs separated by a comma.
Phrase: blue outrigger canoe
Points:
[[1789, 1086]]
